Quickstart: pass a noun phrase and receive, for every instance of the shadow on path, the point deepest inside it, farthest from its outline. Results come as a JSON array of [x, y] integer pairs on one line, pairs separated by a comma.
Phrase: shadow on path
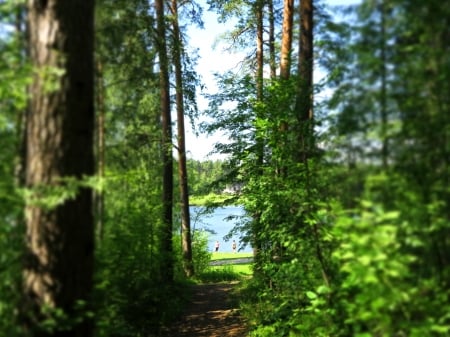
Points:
[[209, 314]]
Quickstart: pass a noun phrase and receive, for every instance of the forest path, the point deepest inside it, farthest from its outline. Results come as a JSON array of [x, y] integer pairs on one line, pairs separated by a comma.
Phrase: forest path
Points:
[[210, 313]]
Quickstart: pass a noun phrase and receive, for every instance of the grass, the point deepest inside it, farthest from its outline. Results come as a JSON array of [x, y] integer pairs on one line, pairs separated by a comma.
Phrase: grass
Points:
[[228, 272], [229, 256], [205, 200]]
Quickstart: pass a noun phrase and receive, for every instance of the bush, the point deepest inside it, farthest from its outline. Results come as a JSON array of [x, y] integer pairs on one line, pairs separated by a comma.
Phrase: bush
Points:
[[200, 254]]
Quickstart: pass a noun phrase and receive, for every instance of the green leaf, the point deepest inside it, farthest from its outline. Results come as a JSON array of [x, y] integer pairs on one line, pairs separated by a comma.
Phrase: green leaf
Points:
[[311, 295]]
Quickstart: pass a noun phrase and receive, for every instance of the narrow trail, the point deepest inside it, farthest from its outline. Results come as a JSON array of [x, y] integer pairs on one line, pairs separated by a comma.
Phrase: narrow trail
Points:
[[210, 313]]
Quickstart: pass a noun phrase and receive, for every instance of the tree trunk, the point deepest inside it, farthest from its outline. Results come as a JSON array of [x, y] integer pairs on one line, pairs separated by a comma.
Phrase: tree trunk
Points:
[[256, 242], [167, 158], [304, 106], [286, 41], [272, 61], [182, 168], [304, 102], [285, 72], [60, 238], [259, 76], [305, 63]]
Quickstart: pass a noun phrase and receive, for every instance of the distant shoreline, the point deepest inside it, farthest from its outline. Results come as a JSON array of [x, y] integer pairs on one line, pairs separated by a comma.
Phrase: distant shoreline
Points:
[[211, 199]]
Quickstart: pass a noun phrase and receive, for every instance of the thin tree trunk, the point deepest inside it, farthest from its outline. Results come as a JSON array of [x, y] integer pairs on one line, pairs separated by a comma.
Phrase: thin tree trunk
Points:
[[182, 167], [259, 6], [272, 62], [259, 76], [167, 158], [305, 64], [259, 50], [58, 273]]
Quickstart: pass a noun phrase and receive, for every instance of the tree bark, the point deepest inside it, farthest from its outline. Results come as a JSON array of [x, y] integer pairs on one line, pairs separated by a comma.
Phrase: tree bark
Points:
[[286, 41], [305, 64], [285, 72], [272, 61], [166, 143], [59, 263], [304, 102], [256, 223], [182, 167]]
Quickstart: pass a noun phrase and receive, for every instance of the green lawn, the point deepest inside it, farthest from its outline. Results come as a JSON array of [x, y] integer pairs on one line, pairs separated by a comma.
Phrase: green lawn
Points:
[[228, 272], [244, 269], [229, 256]]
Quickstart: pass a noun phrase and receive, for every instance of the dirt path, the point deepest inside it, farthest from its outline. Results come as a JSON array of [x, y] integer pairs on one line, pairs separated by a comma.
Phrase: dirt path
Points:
[[209, 314]]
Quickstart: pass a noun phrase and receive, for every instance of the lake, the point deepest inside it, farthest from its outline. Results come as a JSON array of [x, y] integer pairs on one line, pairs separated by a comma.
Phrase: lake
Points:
[[217, 223]]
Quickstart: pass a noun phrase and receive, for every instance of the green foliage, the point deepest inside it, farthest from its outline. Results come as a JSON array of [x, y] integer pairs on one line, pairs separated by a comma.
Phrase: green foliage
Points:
[[220, 274], [131, 297], [372, 268], [208, 200], [11, 247], [200, 254], [373, 291], [205, 177], [14, 76], [353, 241]]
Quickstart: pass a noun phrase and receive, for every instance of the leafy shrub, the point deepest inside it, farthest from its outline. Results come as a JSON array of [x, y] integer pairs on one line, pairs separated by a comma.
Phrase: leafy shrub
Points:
[[10, 270], [200, 254]]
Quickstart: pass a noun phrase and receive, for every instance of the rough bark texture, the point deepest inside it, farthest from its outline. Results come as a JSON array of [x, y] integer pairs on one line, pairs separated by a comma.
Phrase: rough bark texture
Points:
[[182, 166], [60, 240], [166, 247]]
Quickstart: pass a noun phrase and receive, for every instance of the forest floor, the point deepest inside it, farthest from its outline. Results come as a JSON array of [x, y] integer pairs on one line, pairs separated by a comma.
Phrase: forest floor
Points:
[[211, 312]]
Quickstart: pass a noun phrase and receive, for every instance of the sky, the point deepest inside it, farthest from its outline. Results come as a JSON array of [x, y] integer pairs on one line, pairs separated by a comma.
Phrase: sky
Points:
[[214, 59]]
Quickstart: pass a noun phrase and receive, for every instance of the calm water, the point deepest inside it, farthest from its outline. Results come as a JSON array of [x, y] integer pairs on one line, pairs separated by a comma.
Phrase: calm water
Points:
[[218, 225]]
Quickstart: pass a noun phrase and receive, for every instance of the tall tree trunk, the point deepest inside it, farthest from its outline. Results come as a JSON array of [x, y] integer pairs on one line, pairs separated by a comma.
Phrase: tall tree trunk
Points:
[[304, 102], [286, 41], [167, 158], [285, 72], [259, 50], [259, 138], [305, 64], [304, 107], [60, 238], [272, 62], [259, 7], [182, 167]]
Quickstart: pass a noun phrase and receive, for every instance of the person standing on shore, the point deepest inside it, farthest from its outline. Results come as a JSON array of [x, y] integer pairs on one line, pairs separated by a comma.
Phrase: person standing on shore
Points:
[[216, 246]]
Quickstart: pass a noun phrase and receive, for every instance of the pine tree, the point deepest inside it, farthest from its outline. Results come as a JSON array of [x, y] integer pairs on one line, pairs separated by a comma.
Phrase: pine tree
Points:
[[58, 274]]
